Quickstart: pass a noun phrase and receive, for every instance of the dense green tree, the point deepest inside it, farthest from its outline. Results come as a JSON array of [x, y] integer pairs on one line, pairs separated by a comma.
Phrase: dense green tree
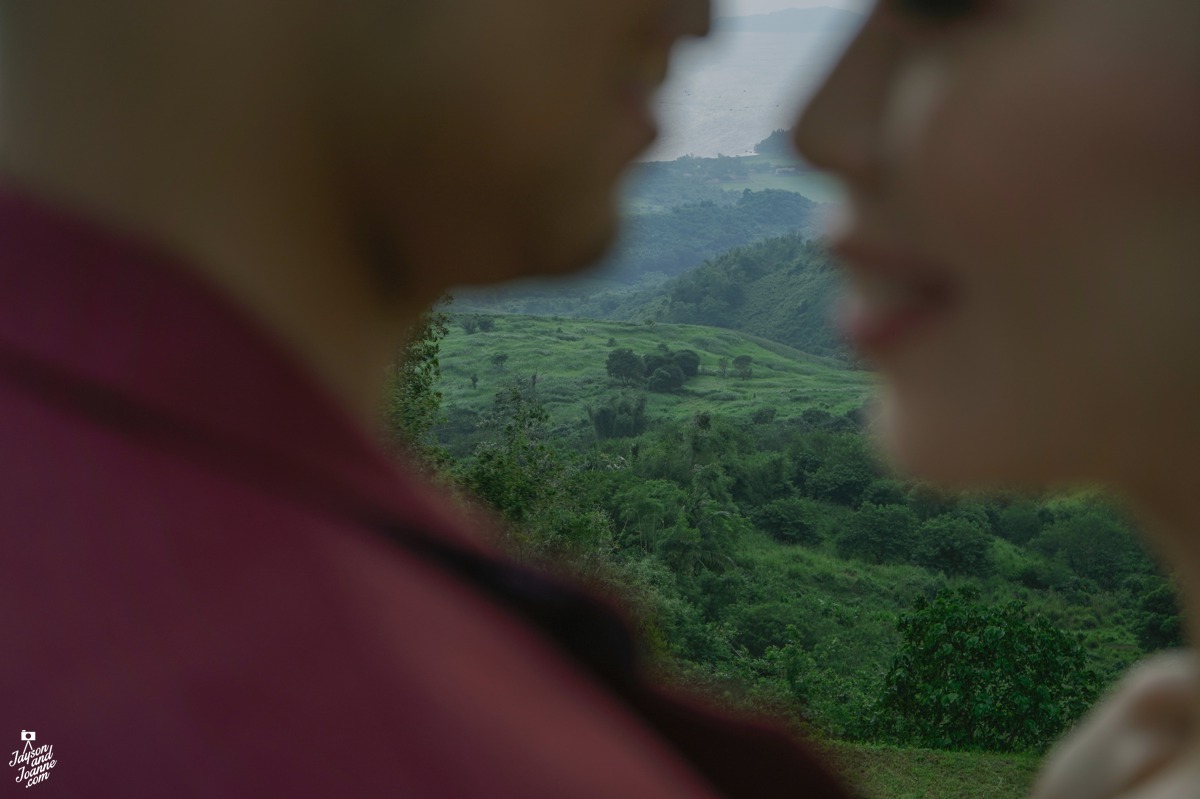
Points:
[[1159, 623], [743, 366], [688, 361], [619, 417], [928, 501], [623, 365], [666, 378], [653, 361], [879, 534], [1020, 521], [513, 471], [413, 401], [540, 491], [975, 676], [1096, 544], [954, 545], [885, 491], [834, 467], [792, 520], [648, 509]]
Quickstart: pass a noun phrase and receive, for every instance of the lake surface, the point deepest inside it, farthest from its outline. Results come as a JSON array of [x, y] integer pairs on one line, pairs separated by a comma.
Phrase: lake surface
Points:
[[728, 92]]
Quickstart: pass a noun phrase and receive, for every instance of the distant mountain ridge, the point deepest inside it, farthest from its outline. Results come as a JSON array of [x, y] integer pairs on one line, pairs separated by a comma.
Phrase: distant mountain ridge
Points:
[[791, 20], [675, 241]]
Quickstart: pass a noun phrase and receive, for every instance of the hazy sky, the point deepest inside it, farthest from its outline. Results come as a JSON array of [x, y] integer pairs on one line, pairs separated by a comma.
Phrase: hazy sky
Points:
[[740, 8]]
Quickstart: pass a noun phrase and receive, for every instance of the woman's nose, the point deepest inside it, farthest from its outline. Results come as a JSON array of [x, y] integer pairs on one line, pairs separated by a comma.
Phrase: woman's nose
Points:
[[840, 129]]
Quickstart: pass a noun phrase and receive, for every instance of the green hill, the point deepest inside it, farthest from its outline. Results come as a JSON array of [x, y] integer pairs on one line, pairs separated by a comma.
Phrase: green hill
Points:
[[673, 241], [568, 356], [780, 289], [765, 554]]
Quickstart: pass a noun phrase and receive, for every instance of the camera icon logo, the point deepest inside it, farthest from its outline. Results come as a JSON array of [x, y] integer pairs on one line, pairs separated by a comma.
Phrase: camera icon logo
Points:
[[29, 735]]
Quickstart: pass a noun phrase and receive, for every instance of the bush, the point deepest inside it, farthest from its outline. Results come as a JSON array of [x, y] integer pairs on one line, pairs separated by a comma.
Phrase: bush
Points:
[[835, 467], [624, 365], [1159, 624], [763, 416], [688, 361], [953, 545], [1020, 522], [879, 534], [972, 676], [790, 520], [1096, 545], [885, 491], [621, 417], [666, 378]]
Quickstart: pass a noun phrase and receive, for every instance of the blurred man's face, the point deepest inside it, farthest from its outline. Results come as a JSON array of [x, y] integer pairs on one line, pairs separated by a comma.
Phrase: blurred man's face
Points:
[[487, 143]]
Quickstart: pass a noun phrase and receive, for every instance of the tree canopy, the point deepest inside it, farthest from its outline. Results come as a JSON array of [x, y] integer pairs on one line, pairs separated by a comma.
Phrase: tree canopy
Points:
[[974, 676]]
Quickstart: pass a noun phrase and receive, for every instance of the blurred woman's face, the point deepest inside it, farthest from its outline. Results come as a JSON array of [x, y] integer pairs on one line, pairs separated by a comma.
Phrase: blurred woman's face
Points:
[[1022, 230]]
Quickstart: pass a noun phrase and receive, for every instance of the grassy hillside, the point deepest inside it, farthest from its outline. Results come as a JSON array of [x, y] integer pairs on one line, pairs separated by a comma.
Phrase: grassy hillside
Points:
[[568, 356], [782, 289], [745, 523], [880, 772]]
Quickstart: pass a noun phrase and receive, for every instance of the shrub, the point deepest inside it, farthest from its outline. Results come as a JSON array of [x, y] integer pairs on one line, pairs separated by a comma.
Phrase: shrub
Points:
[[972, 676], [953, 545], [1096, 545], [688, 361], [667, 378], [763, 416], [878, 534], [1159, 625], [791, 520], [1020, 522], [623, 365]]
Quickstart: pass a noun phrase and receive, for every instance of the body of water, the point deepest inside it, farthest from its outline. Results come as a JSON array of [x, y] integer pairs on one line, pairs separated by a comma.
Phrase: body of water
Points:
[[728, 92]]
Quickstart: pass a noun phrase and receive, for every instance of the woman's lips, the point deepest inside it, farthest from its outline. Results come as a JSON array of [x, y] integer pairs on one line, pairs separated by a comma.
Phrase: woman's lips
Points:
[[891, 297]]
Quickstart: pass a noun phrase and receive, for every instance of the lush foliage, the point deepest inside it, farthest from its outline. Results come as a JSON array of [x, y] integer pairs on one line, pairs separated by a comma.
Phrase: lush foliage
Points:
[[413, 399], [704, 461], [781, 289], [974, 676], [750, 529]]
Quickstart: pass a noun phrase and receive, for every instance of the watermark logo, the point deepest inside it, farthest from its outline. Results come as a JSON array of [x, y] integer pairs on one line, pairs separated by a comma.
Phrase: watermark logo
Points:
[[33, 761]]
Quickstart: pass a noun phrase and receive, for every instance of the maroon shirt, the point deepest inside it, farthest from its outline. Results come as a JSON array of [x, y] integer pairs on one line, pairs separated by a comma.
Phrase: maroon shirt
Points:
[[214, 584]]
